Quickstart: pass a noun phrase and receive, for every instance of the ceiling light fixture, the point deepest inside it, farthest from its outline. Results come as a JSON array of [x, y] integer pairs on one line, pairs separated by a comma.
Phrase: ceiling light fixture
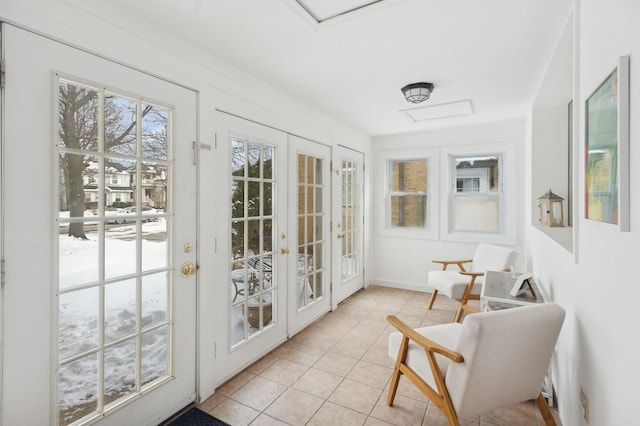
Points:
[[417, 92]]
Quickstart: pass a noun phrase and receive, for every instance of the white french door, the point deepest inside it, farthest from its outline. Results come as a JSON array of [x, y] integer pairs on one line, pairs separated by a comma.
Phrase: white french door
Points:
[[249, 300], [99, 323], [348, 193], [309, 243]]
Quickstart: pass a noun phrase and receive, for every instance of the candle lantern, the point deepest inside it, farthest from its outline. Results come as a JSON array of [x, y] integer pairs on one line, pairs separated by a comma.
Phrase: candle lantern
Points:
[[550, 210]]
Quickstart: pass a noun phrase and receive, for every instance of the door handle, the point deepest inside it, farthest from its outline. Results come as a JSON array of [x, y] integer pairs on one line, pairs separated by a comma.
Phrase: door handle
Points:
[[341, 235], [188, 269], [284, 250]]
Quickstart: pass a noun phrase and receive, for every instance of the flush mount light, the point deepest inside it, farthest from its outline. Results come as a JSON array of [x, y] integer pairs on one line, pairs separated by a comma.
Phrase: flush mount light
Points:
[[417, 92]]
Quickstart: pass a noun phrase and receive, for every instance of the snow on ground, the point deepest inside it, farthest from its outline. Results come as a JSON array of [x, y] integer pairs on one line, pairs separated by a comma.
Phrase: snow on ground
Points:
[[78, 312]]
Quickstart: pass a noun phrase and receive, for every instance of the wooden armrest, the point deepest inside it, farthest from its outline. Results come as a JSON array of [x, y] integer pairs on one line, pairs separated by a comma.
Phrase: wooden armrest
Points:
[[473, 274], [446, 263], [426, 343]]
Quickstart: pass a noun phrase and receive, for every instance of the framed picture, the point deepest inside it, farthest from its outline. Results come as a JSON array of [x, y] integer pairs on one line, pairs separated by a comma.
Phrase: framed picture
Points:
[[607, 149]]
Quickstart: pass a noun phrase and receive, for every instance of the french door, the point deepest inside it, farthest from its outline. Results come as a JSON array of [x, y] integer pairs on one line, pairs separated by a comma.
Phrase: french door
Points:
[[250, 291], [99, 218], [309, 244], [348, 193], [273, 233]]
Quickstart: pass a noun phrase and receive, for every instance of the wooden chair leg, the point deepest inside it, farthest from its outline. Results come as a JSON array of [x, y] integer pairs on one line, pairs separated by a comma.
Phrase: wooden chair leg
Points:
[[393, 387], [433, 298], [460, 312], [544, 410]]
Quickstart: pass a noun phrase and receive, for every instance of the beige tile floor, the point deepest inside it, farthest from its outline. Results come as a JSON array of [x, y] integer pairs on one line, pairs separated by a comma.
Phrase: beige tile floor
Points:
[[337, 371]]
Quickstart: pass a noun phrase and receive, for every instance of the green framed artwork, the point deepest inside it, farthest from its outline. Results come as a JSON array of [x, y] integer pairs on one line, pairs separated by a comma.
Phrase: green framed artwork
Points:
[[607, 150]]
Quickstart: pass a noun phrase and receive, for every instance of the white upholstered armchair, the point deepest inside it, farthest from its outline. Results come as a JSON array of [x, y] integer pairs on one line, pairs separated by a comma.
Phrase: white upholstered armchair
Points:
[[493, 359], [465, 283]]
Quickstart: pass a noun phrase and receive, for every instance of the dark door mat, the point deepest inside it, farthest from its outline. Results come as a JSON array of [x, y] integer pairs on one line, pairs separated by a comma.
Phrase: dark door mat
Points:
[[194, 417]]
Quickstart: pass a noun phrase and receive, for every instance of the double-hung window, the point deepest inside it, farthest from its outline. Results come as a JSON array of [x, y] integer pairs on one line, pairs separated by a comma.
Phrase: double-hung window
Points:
[[408, 197], [477, 195]]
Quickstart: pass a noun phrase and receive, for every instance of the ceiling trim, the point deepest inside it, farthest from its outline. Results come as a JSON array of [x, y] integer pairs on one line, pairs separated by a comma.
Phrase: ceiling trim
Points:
[[357, 12]]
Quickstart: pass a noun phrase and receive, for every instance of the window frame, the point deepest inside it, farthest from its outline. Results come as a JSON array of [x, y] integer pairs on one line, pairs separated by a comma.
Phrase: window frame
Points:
[[507, 196], [432, 219]]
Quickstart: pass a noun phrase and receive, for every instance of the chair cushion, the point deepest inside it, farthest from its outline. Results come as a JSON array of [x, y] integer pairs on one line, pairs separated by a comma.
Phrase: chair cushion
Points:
[[444, 334], [452, 283]]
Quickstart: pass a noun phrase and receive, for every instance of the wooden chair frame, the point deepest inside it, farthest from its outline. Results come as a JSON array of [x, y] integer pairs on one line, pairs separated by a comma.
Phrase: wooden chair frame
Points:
[[464, 308], [440, 397]]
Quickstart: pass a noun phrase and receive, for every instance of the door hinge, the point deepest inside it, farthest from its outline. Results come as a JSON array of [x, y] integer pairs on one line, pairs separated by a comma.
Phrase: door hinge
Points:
[[195, 154], [2, 75], [2, 282]]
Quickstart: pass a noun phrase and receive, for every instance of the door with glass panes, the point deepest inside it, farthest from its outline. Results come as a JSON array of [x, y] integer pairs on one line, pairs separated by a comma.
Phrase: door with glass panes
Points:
[[251, 293], [99, 219], [309, 244], [348, 240]]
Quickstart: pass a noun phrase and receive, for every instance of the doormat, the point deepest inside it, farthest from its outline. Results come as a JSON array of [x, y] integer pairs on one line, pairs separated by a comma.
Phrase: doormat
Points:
[[194, 417]]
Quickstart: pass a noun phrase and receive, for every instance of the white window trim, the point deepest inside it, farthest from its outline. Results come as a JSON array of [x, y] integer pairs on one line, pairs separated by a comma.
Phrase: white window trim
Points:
[[508, 181], [431, 232]]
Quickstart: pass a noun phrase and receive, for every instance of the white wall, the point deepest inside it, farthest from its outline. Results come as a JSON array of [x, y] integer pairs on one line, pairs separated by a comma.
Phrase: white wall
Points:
[[403, 261], [596, 349]]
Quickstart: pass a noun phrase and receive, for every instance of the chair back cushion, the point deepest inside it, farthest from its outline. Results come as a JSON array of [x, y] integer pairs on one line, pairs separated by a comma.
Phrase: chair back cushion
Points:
[[492, 258], [506, 355]]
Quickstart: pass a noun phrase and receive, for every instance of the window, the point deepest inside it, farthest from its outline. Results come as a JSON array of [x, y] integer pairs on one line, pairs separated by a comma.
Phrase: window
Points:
[[477, 193], [408, 195]]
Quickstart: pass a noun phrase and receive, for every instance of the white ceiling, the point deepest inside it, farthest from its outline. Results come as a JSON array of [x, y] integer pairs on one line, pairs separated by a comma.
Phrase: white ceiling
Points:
[[491, 52]]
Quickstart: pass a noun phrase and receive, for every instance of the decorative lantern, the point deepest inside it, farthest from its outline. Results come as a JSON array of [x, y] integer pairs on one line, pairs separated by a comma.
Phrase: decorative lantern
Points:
[[550, 210]]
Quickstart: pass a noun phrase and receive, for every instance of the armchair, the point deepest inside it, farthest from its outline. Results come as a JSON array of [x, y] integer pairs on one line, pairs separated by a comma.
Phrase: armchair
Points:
[[493, 359], [465, 284]]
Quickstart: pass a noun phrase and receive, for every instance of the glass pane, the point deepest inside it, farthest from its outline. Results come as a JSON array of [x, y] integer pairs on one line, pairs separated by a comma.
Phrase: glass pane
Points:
[[477, 174], [155, 122], [268, 235], [119, 309], [78, 191], [254, 233], [119, 370], [267, 199], [155, 186], [155, 245], [155, 305], [119, 181], [253, 208], [238, 157], [155, 362], [409, 176], [409, 210], [477, 213], [237, 198], [120, 251], [120, 117], [78, 259], [78, 117], [237, 239], [268, 162], [77, 389], [78, 322], [253, 168]]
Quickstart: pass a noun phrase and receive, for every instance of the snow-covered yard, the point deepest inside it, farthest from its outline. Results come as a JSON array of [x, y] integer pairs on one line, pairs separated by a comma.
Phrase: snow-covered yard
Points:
[[80, 318]]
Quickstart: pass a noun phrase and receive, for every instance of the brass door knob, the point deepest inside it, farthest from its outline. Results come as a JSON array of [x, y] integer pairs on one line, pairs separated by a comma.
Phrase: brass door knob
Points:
[[284, 250], [188, 269]]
